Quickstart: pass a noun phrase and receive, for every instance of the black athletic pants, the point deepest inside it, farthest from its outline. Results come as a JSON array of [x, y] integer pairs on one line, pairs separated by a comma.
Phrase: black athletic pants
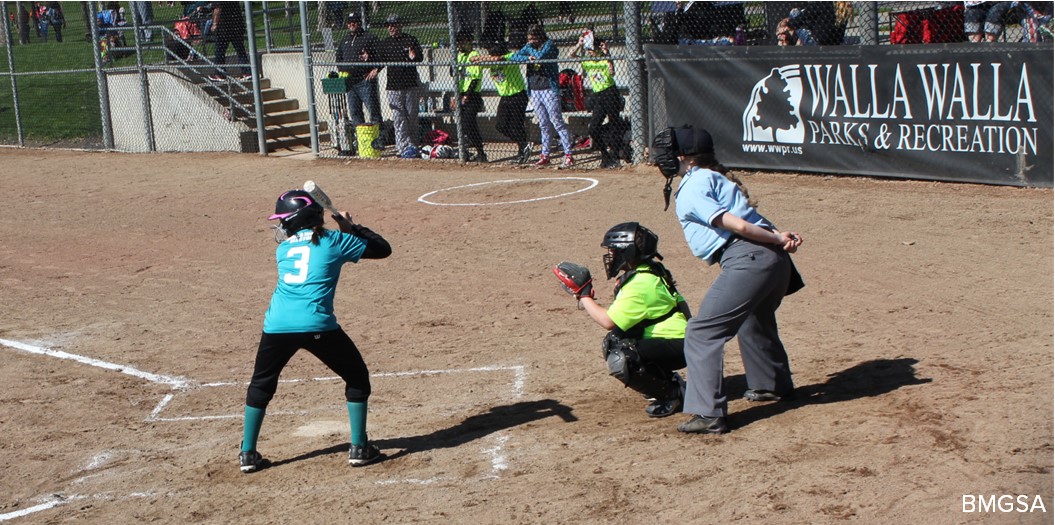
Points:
[[334, 348], [510, 116]]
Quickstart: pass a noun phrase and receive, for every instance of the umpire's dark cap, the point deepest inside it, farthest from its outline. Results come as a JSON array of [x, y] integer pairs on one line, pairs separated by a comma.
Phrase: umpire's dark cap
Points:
[[693, 141]]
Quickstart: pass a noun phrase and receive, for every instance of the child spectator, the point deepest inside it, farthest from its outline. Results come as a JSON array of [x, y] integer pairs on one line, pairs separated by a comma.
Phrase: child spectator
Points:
[[513, 98], [469, 90], [606, 102]]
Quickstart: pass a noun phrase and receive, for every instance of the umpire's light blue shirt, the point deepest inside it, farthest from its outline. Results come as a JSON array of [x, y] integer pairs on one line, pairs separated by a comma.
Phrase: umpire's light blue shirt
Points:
[[702, 196], [307, 280]]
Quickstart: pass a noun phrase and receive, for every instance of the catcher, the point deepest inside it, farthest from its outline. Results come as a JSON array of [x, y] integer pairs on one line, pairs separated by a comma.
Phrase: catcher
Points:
[[646, 320]]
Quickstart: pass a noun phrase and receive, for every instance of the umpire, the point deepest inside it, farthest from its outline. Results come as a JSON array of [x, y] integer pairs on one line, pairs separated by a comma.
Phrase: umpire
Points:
[[722, 226]]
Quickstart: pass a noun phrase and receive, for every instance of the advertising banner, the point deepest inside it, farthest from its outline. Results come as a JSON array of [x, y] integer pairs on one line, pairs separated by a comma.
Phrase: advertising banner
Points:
[[956, 112]]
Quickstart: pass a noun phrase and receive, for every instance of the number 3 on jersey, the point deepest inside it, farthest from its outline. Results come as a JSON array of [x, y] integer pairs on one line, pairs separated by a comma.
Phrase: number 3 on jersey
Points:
[[301, 254]]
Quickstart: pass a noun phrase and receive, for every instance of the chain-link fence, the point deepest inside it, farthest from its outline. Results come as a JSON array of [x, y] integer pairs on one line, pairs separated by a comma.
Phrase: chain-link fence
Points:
[[414, 79]]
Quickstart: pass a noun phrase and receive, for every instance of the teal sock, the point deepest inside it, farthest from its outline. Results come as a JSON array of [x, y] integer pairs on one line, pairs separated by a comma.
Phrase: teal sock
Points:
[[254, 417], [357, 420]]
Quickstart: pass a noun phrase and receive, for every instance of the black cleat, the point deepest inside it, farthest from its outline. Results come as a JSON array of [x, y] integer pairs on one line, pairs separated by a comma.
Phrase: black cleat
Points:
[[704, 425], [359, 455], [251, 461]]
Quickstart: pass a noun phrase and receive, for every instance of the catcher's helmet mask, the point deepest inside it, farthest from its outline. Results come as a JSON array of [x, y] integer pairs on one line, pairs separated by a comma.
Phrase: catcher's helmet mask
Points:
[[628, 245], [295, 211]]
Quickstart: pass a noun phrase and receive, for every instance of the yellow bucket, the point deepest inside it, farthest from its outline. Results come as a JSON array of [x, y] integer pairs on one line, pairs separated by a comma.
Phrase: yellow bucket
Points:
[[365, 135]]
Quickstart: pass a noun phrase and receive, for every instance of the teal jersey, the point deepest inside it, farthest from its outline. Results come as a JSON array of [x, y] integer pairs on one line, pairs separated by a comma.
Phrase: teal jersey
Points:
[[307, 281]]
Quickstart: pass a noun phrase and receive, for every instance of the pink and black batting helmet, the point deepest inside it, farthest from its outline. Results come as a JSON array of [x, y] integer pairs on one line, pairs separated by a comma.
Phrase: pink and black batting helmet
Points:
[[296, 210]]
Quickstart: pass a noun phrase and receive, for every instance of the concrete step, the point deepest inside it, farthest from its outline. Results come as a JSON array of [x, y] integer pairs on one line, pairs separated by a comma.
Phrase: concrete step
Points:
[[285, 117], [297, 141], [291, 129], [280, 105], [266, 95]]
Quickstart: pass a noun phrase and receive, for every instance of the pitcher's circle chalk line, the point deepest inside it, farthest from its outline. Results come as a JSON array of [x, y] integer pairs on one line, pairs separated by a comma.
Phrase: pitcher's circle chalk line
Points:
[[424, 198]]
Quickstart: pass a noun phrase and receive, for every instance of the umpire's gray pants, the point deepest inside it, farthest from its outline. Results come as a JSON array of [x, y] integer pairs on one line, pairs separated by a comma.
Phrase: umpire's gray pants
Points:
[[404, 104], [742, 301]]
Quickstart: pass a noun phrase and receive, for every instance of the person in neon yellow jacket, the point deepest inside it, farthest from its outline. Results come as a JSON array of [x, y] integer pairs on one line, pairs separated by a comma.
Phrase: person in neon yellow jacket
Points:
[[512, 90], [469, 90], [605, 101]]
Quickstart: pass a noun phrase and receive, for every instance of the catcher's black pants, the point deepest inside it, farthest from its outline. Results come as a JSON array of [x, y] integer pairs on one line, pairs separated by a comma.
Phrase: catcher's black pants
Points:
[[668, 354], [334, 348]]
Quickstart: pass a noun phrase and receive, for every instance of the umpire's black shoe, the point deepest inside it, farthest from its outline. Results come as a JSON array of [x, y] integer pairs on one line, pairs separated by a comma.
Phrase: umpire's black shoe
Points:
[[768, 395], [704, 425], [251, 461], [359, 455]]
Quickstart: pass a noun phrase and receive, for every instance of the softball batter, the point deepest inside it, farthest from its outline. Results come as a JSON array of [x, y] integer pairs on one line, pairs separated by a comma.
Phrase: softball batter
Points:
[[301, 316]]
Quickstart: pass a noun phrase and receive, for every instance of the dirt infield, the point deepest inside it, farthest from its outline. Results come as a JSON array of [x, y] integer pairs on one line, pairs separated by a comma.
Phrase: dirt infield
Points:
[[134, 288]]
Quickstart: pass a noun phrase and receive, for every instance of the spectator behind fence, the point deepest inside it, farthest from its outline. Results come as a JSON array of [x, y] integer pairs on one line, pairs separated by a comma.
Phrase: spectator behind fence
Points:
[[605, 102], [331, 14], [1036, 21], [469, 84], [145, 12], [813, 23], [360, 45], [34, 13], [404, 86], [23, 24], [228, 24], [513, 97], [710, 23], [57, 19], [544, 86], [43, 21], [985, 20]]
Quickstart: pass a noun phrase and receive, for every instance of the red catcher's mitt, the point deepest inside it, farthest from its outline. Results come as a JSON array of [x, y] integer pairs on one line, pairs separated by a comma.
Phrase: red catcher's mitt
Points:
[[574, 279]]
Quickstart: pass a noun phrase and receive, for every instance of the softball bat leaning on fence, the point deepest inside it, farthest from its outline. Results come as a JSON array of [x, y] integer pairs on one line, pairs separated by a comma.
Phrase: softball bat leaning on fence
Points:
[[320, 196]]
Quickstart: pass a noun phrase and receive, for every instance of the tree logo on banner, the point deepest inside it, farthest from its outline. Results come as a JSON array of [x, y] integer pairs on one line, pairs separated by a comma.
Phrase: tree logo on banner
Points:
[[772, 113]]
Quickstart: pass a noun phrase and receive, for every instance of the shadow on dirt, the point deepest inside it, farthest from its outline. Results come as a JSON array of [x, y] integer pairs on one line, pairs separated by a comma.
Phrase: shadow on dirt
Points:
[[469, 429], [867, 379], [475, 427]]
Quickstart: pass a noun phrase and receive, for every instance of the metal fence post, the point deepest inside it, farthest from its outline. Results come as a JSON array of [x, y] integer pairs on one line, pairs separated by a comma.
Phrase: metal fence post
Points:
[[144, 84], [632, 26], [457, 81], [869, 20], [100, 80], [269, 41], [14, 83], [309, 77], [254, 68]]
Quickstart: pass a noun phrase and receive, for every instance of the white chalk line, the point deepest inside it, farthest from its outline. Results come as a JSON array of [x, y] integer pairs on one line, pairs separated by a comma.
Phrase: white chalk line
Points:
[[519, 377], [174, 382], [498, 459], [424, 198], [56, 500]]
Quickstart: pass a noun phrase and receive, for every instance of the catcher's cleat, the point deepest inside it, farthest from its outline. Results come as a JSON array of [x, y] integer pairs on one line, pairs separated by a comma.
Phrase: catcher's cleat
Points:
[[359, 455], [768, 395], [704, 425], [568, 162], [543, 160], [251, 461], [664, 407]]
